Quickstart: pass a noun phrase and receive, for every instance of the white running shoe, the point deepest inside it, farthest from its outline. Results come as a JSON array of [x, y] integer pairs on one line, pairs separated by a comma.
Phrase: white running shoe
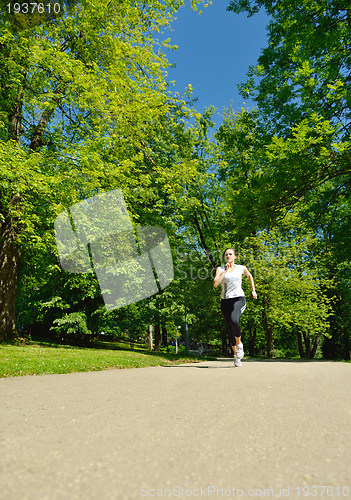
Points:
[[237, 361], [240, 351]]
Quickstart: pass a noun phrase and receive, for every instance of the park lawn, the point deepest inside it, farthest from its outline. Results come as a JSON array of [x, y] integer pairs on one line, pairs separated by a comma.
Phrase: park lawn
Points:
[[38, 359]]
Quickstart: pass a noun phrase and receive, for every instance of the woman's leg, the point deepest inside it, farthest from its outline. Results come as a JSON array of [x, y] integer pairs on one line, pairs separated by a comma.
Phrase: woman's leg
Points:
[[227, 309], [232, 309], [239, 307]]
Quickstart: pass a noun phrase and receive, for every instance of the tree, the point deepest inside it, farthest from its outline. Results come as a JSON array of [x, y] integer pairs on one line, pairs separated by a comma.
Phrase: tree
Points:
[[306, 67], [79, 96], [277, 244], [301, 85], [73, 325]]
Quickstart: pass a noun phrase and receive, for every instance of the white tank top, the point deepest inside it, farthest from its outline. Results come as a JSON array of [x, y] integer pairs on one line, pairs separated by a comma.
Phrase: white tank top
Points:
[[231, 283]]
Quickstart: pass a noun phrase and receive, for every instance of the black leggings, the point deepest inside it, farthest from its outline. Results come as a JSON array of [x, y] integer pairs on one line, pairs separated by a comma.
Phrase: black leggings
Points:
[[232, 309]]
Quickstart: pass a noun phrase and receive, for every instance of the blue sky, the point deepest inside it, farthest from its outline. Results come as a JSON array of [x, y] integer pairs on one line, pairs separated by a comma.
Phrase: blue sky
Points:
[[214, 53]]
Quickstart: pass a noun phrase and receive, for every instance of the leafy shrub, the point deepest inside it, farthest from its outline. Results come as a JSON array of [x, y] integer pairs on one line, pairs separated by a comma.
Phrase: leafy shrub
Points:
[[73, 326]]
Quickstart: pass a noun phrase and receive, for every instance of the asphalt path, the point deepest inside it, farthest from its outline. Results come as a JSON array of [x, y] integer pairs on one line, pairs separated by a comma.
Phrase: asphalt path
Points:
[[269, 429]]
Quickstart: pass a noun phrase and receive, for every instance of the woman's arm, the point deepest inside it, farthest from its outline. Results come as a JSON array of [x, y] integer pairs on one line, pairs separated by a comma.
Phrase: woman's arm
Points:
[[251, 281], [219, 277]]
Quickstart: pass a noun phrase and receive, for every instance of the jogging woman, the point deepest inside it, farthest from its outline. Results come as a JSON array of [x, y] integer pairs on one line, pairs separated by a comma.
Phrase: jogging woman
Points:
[[233, 302]]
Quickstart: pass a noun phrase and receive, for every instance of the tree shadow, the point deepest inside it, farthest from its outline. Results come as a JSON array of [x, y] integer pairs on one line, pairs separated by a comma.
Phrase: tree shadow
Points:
[[229, 362]]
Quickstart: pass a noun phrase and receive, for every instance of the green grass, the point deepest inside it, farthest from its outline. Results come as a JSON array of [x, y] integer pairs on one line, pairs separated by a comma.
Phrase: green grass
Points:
[[41, 358]]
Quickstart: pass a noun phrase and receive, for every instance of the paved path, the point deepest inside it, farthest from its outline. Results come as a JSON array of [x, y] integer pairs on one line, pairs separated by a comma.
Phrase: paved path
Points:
[[261, 430]]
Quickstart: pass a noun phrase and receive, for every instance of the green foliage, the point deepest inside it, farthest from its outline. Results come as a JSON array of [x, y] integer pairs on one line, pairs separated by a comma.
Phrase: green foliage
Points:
[[293, 294], [83, 101], [22, 16], [71, 325], [297, 160], [306, 67]]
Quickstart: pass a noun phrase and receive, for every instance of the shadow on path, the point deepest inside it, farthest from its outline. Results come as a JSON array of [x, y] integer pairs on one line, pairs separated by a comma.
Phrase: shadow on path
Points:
[[251, 360]]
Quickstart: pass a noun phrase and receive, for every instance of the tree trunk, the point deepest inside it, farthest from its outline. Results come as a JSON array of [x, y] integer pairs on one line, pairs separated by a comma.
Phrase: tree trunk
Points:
[[38, 136], [269, 342], [268, 329], [9, 252], [9, 273], [299, 343], [203, 243], [252, 341], [225, 341], [131, 338], [307, 341], [15, 118], [315, 345], [150, 340], [164, 337], [157, 337], [345, 330]]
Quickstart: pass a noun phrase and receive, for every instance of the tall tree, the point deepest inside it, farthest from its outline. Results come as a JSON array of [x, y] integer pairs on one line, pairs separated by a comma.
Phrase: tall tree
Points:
[[306, 67], [302, 85], [79, 96], [268, 234]]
